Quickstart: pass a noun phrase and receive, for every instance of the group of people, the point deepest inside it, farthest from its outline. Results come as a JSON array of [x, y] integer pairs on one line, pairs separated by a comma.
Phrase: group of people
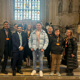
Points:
[[29, 43]]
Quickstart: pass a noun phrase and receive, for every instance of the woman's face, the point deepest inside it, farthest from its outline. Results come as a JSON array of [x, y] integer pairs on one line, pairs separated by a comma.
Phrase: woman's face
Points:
[[15, 27], [68, 33], [29, 27]]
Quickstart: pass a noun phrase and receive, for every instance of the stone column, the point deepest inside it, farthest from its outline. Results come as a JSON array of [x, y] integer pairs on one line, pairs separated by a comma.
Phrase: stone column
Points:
[[8, 10], [50, 11], [47, 10], [4, 17]]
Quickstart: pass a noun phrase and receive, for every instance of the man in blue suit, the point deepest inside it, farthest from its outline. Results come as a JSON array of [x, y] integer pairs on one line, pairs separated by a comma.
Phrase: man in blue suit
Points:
[[19, 42]]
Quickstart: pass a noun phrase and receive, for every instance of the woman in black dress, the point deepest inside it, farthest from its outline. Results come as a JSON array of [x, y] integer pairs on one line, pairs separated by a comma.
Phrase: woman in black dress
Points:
[[27, 51], [47, 51], [70, 55]]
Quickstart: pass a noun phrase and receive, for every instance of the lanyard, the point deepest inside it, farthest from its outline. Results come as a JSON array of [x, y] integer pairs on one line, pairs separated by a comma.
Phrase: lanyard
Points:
[[58, 42], [7, 34], [38, 33]]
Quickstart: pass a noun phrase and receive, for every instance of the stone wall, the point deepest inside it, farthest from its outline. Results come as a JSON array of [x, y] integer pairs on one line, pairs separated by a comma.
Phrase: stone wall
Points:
[[64, 18], [49, 12]]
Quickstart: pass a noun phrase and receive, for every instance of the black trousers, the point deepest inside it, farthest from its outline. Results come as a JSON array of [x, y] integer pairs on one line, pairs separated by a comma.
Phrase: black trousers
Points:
[[12, 62], [6, 53], [0, 60], [49, 60], [17, 58]]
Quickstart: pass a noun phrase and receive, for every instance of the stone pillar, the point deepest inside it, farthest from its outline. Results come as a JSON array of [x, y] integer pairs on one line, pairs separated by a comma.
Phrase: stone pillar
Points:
[[47, 10], [50, 11], [1, 11], [43, 12], [8, 10], [4, 10]]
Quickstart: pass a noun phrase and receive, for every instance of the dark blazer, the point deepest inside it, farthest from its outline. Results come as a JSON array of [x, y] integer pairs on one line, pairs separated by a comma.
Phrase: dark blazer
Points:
[[3, 40], [16, 41]]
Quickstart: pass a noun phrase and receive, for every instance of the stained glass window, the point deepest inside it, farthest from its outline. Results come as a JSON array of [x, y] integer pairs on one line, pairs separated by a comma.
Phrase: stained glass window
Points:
[[27, 9]]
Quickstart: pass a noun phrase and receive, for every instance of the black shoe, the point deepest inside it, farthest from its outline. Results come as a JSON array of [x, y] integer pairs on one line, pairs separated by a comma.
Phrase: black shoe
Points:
[[19, 72], [66, 71], [49, 66], [4, 71], [14, 73], [29, 66], [70, 74]]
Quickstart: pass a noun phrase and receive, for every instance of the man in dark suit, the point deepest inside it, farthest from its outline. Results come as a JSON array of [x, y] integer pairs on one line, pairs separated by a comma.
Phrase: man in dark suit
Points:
[[5, 45], [14, 30], [19, 42]]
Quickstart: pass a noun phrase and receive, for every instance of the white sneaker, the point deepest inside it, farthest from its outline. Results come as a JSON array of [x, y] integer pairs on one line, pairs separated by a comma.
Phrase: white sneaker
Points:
[[58, 74], [41, 74], [52, 73], [33, 72]]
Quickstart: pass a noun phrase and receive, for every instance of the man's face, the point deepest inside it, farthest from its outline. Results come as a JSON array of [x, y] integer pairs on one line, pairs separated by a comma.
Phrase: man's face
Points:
[[38, 26], [57, 32], [15, 27], [6, 25], [19, 29], [50, 29]]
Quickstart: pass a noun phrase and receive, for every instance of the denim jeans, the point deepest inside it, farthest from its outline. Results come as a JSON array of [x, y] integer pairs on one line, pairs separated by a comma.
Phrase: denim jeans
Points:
[[35, 59]]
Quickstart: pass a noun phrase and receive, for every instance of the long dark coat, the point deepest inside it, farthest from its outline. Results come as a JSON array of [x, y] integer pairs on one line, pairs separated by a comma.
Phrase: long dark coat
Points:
[[70, 61], [3, 40]]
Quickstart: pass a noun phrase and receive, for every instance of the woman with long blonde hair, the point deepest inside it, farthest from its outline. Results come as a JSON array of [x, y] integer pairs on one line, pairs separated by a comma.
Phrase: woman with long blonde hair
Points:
[[28, 52], [70, 54]]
